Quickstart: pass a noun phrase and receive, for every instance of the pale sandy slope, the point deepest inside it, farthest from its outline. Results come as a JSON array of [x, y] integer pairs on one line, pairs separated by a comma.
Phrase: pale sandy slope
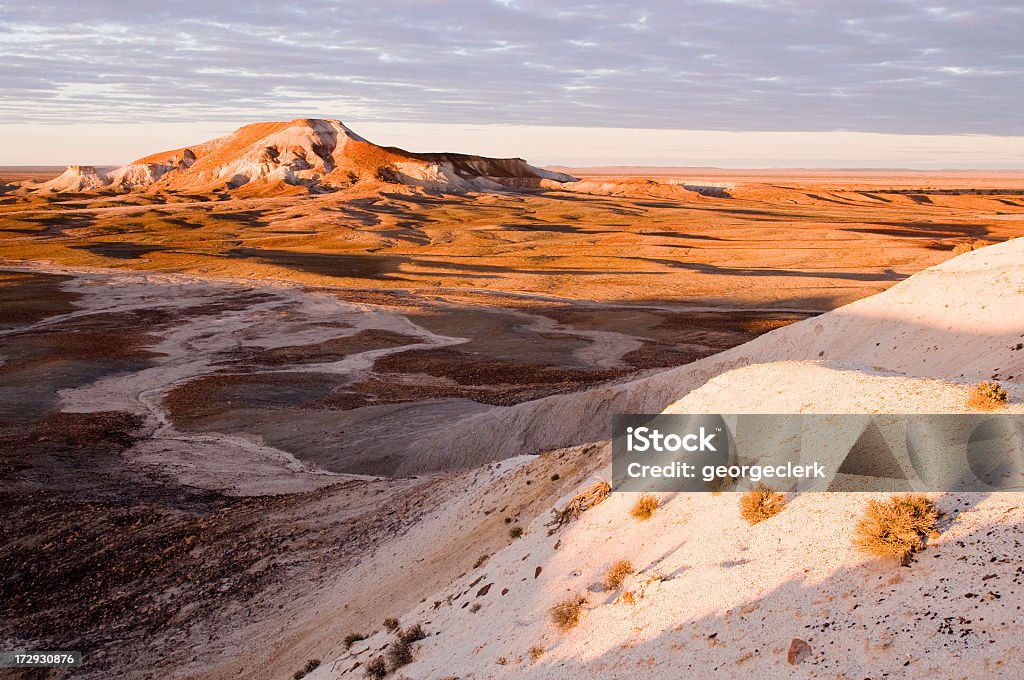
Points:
[[719, 598]]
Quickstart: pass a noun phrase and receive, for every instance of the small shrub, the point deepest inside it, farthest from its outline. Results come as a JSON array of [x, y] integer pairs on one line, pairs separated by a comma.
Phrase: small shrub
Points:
[[310, 666], [644, 507], [617, 573], [536, 652], [968, 246], [566, 614], [501, 661], [987, 396], [377, 668], [598, 492], [719, 484], [399, 654], [413, 633], [353, 638], [481, 561], [508, 520], [629, 597], [515, 532], [760, 503], [474, 608], [895, 527]]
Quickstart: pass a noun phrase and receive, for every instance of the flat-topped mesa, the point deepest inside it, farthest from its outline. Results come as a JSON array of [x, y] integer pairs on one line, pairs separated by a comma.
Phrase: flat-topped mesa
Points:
[[314, 154]]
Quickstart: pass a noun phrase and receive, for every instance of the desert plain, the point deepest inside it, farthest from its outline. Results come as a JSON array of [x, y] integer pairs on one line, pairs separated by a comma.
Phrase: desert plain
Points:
[[246, 414]]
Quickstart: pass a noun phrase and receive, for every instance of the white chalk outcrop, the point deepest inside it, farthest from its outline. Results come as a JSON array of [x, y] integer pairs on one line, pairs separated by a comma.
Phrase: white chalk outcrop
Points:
[[76, 178], [715, 597]]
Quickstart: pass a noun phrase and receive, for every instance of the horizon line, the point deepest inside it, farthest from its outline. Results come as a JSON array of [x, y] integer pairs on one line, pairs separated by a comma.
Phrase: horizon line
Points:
[[779, 168], [625, 166], [555, 146]]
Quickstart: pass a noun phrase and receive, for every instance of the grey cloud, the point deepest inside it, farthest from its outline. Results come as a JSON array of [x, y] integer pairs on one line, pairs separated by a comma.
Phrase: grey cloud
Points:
[[904, 66]]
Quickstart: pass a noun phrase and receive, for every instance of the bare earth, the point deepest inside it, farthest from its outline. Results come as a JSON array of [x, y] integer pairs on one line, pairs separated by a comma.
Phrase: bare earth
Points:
[[215, 408]]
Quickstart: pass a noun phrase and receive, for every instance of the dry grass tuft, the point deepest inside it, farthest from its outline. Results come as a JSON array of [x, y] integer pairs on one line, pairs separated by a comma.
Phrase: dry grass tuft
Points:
[[399, 654], [968, 246], [310, 666], [596, 493], [987, 396], [536, 652], [644, 507], [719, 484], [377, 668], [895, 527], [760, 503], [353, 638], [566, 614], [617, 573], [413, 633], [628, 597]]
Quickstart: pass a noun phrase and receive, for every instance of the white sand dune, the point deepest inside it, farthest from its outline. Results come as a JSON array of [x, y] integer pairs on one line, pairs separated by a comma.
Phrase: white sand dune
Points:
[[715, 597]]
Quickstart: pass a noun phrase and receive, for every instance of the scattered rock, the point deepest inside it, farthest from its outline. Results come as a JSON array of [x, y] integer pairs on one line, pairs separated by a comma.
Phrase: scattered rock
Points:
[[798, 651]]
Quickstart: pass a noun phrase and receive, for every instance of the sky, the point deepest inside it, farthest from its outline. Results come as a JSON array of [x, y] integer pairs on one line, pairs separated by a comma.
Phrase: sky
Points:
[[733, 83]]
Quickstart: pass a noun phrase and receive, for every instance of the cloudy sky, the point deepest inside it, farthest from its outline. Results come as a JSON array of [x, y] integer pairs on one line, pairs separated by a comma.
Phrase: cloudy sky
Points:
[[932, 84]]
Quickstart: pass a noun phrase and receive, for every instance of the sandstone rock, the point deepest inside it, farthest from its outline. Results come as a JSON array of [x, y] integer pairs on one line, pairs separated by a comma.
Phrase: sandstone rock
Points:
[[304, 154], [798, 652]]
